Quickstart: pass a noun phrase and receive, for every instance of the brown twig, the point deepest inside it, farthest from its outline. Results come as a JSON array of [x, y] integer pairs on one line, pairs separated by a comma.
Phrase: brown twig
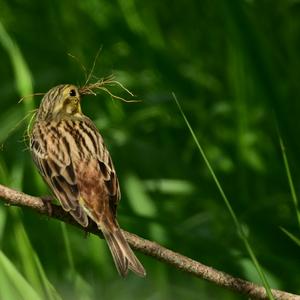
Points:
[[153, 249]]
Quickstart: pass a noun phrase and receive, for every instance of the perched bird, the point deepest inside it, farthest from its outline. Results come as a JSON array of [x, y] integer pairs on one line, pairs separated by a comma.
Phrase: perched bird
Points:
[[73, 160]]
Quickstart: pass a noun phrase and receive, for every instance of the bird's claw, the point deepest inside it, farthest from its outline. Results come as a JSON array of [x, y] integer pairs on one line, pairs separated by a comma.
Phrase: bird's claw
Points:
[[47, 200]]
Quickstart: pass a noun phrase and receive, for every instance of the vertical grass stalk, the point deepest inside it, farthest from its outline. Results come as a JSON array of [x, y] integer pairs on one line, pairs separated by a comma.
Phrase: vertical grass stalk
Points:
[[239, 227]]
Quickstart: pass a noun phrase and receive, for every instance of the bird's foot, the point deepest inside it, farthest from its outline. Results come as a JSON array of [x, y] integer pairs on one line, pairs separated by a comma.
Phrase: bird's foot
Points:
[[47, 200]]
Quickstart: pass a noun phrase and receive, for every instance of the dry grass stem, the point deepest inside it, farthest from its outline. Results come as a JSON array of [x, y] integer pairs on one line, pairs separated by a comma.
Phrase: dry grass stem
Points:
[[101, 84], [83, 68], [31, 95], [93, 67]]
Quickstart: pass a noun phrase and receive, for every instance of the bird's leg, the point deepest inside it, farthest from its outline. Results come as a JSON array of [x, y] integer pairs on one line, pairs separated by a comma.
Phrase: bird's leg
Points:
[[47, 200]]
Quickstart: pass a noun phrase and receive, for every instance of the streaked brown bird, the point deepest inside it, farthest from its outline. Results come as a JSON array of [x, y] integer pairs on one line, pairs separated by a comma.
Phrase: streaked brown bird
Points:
[[73, 160]]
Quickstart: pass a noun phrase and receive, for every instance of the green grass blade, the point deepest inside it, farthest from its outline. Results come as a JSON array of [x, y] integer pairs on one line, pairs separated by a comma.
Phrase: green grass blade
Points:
[[50, 291], [224, 197], [290, 179], [22, 74], [10, 119], [26, 254], [31, 265], [139, 199], [291, 236], [68, 248], [239, 227], [7, 291], [24, 289], [24, 248]]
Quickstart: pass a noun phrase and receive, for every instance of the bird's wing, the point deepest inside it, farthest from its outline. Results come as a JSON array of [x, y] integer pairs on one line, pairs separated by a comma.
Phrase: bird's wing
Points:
[[108, 177], [57, 169]]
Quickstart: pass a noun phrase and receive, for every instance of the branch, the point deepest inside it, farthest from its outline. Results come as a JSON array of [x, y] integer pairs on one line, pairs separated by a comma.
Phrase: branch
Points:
[[153, 249]]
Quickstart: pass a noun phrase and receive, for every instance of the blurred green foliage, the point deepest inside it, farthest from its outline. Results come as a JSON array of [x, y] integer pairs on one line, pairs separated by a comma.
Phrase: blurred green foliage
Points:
[[235, 69]]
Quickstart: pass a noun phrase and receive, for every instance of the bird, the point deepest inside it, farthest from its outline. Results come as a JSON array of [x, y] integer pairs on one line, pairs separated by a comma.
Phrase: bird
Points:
[[73, 160]]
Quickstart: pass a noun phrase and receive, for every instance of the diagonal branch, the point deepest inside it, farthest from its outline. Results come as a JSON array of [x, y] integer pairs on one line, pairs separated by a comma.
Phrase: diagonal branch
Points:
[[153, 249]]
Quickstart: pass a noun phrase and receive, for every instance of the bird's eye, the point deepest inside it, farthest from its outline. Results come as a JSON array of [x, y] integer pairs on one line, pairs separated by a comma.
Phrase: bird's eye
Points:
[[72, 93]]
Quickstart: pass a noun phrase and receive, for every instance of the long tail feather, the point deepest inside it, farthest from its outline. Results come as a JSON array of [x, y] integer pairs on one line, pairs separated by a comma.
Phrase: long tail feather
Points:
[[122, 254]]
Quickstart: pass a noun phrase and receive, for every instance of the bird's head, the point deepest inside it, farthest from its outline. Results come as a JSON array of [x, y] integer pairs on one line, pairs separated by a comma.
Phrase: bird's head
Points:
[[60, 102]]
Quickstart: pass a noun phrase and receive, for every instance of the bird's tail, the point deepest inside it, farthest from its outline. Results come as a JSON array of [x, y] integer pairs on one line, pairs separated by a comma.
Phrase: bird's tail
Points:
[[122, 254]]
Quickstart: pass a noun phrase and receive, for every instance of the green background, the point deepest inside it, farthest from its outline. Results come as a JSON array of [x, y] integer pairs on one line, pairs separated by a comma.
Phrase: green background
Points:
[[233, 65]]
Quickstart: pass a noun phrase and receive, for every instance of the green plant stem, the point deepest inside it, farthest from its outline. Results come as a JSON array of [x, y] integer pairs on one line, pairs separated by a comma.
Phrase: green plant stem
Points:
[[239, 228], [290, 179]]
